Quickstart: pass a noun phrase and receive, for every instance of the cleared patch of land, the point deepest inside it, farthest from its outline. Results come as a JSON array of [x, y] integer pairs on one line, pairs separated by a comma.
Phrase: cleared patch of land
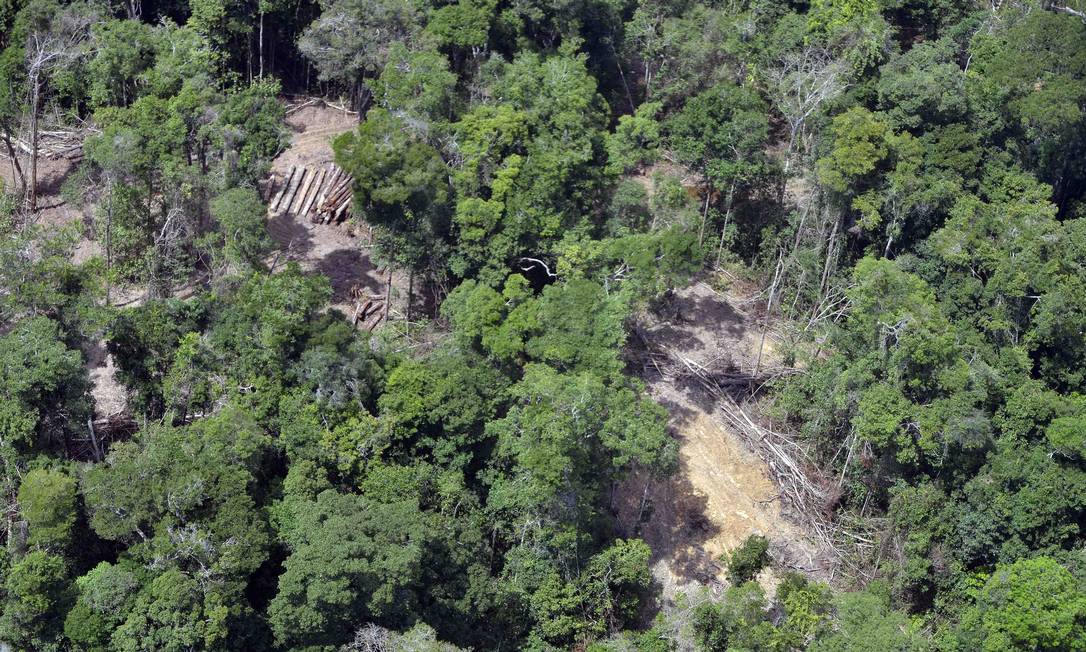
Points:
[[722, 492]]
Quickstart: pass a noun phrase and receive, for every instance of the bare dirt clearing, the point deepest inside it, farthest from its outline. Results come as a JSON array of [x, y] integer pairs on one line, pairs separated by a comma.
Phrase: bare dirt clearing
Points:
[[52, 210], [335, 251], [722, 492], [338, 252]]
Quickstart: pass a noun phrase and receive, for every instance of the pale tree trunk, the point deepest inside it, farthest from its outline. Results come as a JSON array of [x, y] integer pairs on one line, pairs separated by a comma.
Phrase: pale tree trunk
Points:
[[704, 216], [768, 310], [410, 295], [35, 99], [109, 242], [16, 167], [388, 293], [260, 45]]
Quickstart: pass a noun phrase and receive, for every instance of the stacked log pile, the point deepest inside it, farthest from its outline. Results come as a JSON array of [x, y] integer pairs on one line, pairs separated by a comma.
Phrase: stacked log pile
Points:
[[320, 193]]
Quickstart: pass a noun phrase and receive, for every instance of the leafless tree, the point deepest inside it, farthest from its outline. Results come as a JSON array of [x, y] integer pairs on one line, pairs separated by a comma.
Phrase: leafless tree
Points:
[[49, 47], [802, 83], [369, 638], [13, 156], [1065, 8]]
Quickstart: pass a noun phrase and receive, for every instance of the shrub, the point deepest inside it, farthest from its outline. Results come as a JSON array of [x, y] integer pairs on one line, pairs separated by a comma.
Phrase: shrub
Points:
[[749, 558]]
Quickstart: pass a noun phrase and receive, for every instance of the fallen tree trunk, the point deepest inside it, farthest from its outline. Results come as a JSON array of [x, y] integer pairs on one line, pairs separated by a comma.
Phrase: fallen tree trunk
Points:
[[282, 191], [308, 203]]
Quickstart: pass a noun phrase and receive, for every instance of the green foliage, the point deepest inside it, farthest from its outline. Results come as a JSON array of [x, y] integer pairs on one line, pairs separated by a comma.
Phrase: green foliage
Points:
[[866, 623], [853, 27], [738, 622], [350, 556], [183, 494], [1027, 84], [439, 408], [1068, 436], [48, 503], [162, 156], [636, 139], [36, 589], [401, 186], [418, 87], [1022, 499], [923, 524], [351, 38], [240, 214], [568, 325], [859, 145], [124, 50], [144, 340], [171, 614], [1032, 604], [106, 595], [44, 386], [746, 561], [923, 87], [721, 133], [462, 25], [250, 128], [529, 167], [605, 596]]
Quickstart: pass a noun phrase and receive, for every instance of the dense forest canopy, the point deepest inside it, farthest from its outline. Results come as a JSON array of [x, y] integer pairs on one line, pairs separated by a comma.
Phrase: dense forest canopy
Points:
[[904, 181]]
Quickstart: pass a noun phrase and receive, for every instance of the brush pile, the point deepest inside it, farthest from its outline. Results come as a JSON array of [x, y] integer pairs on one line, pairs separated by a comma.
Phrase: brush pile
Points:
[[322, 194], [810, 495], [52, 145], [369, 309]]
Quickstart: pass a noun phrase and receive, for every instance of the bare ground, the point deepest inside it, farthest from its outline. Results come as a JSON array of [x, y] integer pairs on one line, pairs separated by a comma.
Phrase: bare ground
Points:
[[52, 173], [108, 393], [54, 212], [722, 492], [338, 252]]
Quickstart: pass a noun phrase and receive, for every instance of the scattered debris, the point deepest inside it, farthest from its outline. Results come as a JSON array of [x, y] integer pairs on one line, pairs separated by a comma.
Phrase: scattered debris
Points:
[[725, 488], [367, 308], [53, 145]]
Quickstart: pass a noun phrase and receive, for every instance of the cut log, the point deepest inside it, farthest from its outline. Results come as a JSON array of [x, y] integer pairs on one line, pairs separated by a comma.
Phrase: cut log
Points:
[[282, 191], [334, 177], [342, 211], [288, 199], [296, 205], [344, 184], [330, 181], [373, 305], [376, 317], [334, 202], [335, 210], [326, 185], [361, 311], [308, 203], [274, 205]]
